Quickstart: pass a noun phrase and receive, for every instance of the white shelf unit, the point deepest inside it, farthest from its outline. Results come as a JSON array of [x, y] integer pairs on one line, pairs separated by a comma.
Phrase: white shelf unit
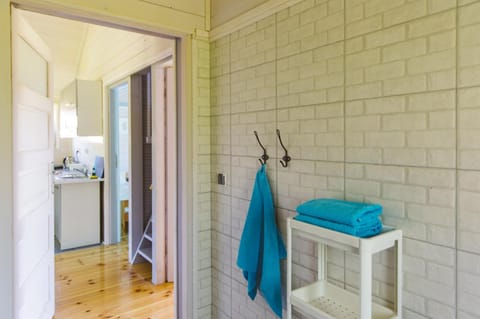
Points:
[[322, 299], [144, 248]]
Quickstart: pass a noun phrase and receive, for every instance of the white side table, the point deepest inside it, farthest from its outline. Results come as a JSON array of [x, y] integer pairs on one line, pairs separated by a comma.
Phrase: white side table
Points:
[[324, 300]]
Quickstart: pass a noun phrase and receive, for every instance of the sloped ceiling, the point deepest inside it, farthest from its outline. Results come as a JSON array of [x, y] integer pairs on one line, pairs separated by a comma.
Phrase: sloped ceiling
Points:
[[88, 51], [225, 10], [66, 39], [195, 7]]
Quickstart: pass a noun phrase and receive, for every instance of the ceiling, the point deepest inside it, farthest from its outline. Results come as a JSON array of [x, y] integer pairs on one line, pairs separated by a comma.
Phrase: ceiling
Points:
[[89, 51], [66, 39], [225, 10]]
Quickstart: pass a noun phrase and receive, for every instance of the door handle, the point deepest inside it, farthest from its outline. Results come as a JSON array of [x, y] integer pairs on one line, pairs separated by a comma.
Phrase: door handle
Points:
[[51, 170]]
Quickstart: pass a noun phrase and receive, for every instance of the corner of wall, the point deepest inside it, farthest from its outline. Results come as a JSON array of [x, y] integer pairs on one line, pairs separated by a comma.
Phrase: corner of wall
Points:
[[6, 164], [202, 175]]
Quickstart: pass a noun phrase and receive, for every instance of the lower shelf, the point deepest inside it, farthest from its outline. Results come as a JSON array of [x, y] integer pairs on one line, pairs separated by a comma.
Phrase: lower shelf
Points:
[[331, 302], [146, 252]]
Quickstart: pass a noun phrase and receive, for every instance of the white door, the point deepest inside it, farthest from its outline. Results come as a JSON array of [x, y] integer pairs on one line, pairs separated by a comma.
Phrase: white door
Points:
[[119, 97], [171, 169], [33, 154], [164, 158], [159, 203]]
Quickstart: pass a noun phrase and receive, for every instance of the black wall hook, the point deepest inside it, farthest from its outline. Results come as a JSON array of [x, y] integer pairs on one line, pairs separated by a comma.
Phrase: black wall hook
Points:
[[285, 159], [265, 157]]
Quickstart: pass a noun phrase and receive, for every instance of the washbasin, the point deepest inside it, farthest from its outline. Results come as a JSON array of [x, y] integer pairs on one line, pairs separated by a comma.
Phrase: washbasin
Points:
[[70, 174]]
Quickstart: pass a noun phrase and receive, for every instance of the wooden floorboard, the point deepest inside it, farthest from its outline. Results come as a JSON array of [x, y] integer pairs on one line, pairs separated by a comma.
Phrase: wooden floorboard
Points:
[[99, 282]]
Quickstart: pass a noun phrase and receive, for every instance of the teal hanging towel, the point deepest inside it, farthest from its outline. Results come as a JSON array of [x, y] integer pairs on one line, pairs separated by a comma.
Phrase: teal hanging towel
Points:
[[261, 246]]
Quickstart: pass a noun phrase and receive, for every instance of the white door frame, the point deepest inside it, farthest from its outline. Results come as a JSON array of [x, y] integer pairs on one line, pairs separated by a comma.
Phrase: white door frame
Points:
[[107, 83], [184, 269], [164, 157], [108, 232]]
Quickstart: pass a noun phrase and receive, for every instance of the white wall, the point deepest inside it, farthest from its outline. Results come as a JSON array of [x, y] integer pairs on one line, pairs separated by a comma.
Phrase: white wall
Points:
[[225, 10], [111, 54], [6, 183], [62, 149], [88, 148], [175, 18], [139, 14], [376, 101], [201, 222]]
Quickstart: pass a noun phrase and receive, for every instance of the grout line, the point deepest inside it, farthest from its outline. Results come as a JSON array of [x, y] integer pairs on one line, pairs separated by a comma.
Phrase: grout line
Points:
[[276, 156], [230, 166], [364, 163], [344, 127], [427, 15], [361, 99], [228, 186], [456, 154]]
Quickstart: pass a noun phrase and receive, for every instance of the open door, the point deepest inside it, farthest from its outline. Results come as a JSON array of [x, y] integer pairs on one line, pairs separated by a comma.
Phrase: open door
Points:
[[119, 96], [32, 174], [164, 154]]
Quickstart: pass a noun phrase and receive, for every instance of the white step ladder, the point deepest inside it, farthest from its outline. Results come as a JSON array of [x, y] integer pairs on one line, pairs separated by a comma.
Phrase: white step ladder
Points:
[[144, 248]]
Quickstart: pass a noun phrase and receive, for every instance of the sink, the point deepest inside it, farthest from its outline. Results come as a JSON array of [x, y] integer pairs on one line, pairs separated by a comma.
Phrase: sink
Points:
[[70, 174]]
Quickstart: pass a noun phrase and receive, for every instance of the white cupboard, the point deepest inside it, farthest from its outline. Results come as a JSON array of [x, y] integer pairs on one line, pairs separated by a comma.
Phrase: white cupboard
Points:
[[77, 213], [81, 109]]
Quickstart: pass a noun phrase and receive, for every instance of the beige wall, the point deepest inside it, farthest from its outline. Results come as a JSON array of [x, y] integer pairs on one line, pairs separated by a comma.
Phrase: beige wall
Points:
[[158, 18], [6, 236], [201, 178], [156, 15], [63, 148], [225, 10], [112, 54], [376, 101]]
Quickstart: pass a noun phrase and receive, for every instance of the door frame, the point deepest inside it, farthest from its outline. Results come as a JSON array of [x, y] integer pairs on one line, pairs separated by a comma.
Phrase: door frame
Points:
[[110, 143], [184, 262], [108, 82]]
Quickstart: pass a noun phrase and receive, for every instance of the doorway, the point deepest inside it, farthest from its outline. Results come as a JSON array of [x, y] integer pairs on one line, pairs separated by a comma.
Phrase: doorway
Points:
[[119, 173], [120, 160]]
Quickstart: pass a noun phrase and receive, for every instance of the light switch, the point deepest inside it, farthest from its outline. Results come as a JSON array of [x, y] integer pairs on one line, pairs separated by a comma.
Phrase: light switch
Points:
[[220, 179]]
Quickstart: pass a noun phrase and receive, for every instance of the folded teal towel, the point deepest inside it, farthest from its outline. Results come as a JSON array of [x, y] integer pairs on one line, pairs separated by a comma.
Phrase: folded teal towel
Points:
[[261, 246], [339, 211], [372, 228]]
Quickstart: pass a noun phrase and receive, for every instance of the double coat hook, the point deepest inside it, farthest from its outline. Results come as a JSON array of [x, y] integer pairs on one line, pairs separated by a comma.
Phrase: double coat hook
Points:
[[286, 158], [263, 160], [265, 157]]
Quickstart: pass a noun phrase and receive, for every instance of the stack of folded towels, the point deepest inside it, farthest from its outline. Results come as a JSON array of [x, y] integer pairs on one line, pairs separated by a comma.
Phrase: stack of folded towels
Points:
[[357, 219]]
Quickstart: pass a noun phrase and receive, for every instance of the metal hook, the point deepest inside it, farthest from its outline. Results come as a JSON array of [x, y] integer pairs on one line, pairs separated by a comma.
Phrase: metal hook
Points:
[[285, 159], [265, 157]]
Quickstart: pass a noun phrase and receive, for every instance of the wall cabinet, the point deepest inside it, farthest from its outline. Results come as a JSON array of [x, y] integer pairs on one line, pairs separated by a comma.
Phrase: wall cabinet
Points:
[[81, 109]]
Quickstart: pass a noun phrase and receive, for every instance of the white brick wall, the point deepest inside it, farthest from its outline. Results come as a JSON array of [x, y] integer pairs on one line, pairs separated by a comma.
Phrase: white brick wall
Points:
[[377, 101], [202, 202]]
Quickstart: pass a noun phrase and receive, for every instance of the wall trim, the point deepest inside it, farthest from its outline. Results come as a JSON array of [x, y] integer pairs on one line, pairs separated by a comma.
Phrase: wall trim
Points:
[[251, 16]]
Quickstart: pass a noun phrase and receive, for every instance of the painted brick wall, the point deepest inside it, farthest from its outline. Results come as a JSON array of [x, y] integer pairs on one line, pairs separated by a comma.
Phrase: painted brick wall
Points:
[[377, 101], [202, 275]]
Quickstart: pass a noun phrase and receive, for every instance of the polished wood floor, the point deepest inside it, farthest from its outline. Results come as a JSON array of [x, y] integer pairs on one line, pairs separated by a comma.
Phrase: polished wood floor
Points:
[[99, 282]]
